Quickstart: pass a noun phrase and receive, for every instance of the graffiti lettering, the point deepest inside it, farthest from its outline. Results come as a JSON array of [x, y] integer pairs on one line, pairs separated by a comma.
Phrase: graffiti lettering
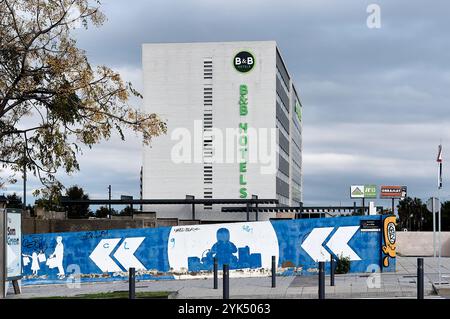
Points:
[[94, 235], [34, 243], [188, 229]]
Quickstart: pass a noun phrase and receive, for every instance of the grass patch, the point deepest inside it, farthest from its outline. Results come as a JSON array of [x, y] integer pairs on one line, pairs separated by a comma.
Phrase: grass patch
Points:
[[116, 295]]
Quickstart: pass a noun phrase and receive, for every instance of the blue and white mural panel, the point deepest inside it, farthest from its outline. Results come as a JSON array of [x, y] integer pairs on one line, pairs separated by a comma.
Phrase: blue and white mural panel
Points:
[[189, 251], [240, 245]]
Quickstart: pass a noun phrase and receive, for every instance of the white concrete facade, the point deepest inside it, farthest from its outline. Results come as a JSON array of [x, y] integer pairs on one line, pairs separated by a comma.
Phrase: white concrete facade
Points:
[[195, 86]]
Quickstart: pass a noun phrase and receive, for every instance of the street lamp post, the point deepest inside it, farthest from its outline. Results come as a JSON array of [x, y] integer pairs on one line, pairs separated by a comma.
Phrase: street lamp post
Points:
[[109, 204], [25, 172]]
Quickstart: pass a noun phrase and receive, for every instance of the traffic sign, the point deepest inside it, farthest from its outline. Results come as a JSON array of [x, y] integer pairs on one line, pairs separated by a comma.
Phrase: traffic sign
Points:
[[433, 205]]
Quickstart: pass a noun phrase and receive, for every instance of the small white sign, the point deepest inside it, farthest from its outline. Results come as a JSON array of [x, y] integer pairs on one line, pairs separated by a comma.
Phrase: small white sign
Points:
[[357, 191], [13, 244]]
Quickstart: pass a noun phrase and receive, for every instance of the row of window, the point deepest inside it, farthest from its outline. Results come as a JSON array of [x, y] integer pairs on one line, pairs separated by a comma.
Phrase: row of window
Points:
[[207, 69], [296, 185], [207, 127], [285, 108], [282, 176], [282, 129], [283, 200], [296, 165], [283, 153], [296, 146], [283, 83], [296, 121]]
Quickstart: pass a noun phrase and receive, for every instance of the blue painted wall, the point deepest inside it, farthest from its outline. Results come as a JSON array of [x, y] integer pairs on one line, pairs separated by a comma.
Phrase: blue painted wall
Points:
[[237, 242]]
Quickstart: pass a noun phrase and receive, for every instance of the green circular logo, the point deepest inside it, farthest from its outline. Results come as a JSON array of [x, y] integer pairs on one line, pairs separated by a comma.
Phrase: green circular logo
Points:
[[243, 61]]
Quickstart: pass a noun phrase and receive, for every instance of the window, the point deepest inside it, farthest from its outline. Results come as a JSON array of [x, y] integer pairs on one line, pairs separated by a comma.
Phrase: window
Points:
[[208, 149]]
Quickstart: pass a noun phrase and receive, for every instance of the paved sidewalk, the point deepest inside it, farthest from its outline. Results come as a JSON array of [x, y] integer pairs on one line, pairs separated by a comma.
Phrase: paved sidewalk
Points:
[[401, 284]]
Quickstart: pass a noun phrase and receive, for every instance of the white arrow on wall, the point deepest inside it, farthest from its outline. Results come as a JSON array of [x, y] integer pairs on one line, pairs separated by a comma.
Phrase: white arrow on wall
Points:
[[100, 255], [338, 243], [313, 243], [125, 253]]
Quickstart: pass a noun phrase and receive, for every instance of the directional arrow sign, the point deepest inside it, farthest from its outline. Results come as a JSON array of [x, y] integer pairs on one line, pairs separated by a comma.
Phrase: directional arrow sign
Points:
[[338, 243], [313, 243], [125, 253], [100, 255]]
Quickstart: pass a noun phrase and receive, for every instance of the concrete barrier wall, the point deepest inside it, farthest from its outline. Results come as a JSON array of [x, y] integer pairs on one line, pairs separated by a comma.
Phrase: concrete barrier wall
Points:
[[42, 226], [188, 251], [421, 243]]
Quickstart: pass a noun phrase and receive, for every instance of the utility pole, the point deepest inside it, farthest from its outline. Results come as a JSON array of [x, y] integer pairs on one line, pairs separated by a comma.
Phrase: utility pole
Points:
[[439, 187], [256, 205], [140, 187], [24, 187], [109, 204], [25, 174], [2, 250]]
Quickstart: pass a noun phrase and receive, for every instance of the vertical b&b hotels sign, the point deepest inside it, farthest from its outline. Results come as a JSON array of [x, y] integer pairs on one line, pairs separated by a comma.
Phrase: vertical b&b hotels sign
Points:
[[243, 62]]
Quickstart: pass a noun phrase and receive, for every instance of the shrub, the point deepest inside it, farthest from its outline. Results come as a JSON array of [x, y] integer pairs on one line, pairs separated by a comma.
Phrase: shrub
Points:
[[342, 265]]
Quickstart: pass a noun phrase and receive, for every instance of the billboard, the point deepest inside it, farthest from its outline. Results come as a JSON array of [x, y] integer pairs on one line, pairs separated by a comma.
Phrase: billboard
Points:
[[13, 244], [363, 191], [370, 191], [357, 191], [393, 191]]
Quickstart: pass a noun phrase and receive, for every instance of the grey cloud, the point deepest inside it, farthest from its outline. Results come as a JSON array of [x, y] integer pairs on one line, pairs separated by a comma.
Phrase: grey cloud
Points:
[[370, 93]]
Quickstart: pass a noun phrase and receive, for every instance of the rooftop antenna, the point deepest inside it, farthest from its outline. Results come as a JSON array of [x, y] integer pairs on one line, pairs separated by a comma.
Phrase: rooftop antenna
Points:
[[439, 186]]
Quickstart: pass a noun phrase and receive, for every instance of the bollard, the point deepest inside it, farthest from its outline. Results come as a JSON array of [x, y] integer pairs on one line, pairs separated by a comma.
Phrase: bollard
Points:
[[420, 278], [216, 284], [226, 282], [331, 270], [274, 272], [132, 283], [321, 280]]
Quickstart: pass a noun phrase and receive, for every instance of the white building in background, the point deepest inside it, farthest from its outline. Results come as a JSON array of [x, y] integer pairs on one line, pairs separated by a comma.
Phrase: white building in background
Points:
[[234, 126]]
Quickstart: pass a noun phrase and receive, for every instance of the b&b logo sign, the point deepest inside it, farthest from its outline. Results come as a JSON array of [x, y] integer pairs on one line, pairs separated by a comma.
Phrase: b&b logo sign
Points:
[[244, 61]]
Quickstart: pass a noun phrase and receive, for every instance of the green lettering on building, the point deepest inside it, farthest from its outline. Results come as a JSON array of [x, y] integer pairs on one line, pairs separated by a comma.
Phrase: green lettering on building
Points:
[[243, 140]]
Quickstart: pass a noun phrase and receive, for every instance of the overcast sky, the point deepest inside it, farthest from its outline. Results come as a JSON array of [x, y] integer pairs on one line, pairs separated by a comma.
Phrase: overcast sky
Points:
[[376, 101]]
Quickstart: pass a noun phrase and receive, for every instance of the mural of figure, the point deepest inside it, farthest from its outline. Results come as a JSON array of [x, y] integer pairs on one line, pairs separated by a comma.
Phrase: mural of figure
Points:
[[389, 235], [226, 252], [56, 259], [34, 263], [224, 249]]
